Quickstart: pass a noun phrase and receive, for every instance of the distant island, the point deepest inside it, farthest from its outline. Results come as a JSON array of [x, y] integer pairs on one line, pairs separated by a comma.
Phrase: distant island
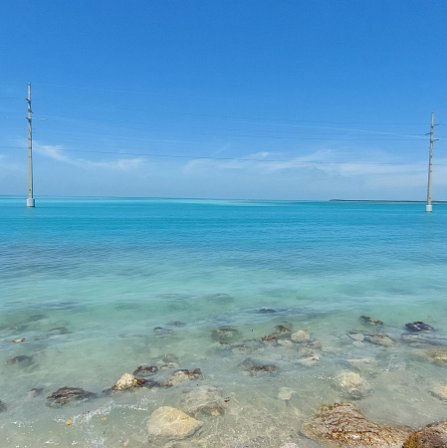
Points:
[[385, 200]]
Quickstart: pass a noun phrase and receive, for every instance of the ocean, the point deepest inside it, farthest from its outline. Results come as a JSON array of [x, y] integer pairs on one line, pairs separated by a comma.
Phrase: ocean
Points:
[[93, 288]]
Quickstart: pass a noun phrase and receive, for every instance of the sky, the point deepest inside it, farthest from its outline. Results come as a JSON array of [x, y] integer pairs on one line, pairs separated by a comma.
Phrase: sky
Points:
[[262, 99]]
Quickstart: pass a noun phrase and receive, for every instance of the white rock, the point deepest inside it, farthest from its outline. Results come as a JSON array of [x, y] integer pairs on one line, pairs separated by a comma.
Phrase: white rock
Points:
[[352, 384], [172, 423], [300, 336], [127, 381], [285, 393]]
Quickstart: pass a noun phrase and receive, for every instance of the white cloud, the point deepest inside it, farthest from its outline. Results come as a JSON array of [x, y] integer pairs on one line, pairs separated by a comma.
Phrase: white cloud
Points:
[[379, 172], [56, 152]]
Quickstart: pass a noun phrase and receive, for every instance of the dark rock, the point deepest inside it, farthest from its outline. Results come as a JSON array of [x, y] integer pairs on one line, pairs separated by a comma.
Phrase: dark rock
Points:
[[66, 395], [150, 384], [257, 368], [21, 360], [225, 334], [266, 311], [367, 320], [3, 406], [431, 436], [343, 425], [416, 327], [145, 371]]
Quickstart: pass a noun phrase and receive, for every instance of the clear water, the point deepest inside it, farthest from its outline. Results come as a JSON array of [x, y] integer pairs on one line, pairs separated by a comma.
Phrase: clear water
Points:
[[109, 271]]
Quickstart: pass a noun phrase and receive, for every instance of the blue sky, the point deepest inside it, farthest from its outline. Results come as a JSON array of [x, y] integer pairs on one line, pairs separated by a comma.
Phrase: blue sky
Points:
[[230, 99]]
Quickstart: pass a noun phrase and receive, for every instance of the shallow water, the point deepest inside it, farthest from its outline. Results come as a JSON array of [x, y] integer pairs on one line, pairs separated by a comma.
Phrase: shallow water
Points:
[[86, 282]]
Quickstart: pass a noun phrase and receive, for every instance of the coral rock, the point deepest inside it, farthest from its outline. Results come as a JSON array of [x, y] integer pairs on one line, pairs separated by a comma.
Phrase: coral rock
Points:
[[172, 423], [127, 382], [343, 425], [300, 336], [204, 400], [353, 385], [184, 375], [431, 436]]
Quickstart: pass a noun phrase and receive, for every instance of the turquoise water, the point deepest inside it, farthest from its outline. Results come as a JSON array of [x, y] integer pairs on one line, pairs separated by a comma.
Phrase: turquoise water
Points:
[[88, 281]]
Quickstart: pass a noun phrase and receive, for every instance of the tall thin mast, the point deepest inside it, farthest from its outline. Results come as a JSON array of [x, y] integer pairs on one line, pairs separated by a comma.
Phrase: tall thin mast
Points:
[[429, 207], [30, 199]]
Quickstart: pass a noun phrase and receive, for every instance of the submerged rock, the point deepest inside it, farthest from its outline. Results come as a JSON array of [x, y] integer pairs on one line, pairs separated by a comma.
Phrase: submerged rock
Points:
[[300, 336], [225, 334], [37, 317], [280, 332], [416, 327], [204, 401], [380, 339], [430, 436], [357, 336], [35, 392], [221, 298], [421, 339], [440, 392], [145, 371], [367, 320], [257, 368], [266, 311], [177, 323], [161, 331], [309, 360], [128, 382], [184, 375], [343, 425], [66, 395], [58, 331], [308, 357], [172, 423], [21, 360], [437, 356], [248, 346], [352, 385], [285, 394], [3, 406]]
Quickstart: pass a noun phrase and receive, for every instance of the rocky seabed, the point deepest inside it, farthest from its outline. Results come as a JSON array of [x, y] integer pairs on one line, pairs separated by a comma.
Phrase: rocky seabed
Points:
[[185, 408]]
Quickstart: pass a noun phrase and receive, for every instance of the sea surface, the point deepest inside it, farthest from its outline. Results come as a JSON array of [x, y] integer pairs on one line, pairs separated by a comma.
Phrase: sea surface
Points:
[[98, 287]]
